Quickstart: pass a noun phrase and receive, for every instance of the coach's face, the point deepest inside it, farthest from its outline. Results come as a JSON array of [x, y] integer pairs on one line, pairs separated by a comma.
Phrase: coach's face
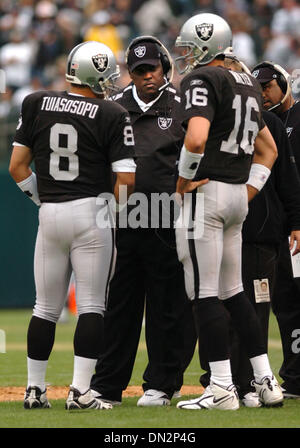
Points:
[[272, 94], [148, 79]]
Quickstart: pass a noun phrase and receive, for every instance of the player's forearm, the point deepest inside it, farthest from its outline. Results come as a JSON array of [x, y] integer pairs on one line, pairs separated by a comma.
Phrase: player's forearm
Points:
[[19, 172], [19, 166], [252, 192], [196, 147], [124, 187], [267, 159], [197, 134], [182, 185]]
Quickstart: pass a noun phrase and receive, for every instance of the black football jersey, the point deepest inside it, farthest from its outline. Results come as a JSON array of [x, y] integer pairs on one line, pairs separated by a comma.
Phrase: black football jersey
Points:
[[291, 121], [74, 140], [159, 136], [232, 102]]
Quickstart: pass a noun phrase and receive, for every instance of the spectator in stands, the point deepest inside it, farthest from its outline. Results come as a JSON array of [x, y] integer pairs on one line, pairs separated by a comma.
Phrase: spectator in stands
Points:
[[286, 19], [102, 30], [44, 18], [243, 44], [49, 48], [53, 27], [123, 20], [5, 103], [16, 58], [153, 17]]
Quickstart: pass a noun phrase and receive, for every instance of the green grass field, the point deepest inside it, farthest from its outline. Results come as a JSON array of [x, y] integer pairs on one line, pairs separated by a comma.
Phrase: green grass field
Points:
[[13, 373]]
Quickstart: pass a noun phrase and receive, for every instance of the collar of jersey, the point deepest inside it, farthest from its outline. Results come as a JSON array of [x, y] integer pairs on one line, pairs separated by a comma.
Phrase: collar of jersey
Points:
[[141, 104]]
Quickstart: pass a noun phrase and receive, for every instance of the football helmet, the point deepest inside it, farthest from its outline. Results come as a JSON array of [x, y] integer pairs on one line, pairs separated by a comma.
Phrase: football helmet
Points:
[[94, 65], [206, 36]]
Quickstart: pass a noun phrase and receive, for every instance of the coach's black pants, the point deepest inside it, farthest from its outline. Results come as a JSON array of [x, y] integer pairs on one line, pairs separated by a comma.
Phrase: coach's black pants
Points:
[[147, 267], [286, 307], [258, 262]]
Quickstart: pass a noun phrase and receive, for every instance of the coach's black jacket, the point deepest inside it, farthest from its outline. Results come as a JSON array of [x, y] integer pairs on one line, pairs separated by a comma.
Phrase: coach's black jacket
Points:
[[275, 211], [159, 137]]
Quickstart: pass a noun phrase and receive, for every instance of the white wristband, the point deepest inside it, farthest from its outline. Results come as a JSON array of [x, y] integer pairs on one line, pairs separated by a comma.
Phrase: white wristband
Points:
[[124, 166], [29, 187], [258, 175], [188, 163]]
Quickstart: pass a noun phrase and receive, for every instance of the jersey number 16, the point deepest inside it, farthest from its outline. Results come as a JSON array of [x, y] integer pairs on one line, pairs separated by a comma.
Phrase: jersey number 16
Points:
[[245, 138]]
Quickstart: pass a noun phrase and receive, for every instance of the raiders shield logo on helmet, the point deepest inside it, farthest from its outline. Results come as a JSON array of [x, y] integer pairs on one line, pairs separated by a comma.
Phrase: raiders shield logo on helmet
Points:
[[204, 31], [140, 51], [255, 73], [100, 62], [164, 123]]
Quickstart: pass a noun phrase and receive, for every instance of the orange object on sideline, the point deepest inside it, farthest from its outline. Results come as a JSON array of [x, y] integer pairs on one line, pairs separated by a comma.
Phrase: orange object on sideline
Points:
[[72, 300]]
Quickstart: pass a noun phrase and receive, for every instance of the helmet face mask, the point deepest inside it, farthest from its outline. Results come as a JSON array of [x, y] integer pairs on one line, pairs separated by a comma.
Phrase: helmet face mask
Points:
[[109, 84], [192, 54], [207, 36], [92, 64]]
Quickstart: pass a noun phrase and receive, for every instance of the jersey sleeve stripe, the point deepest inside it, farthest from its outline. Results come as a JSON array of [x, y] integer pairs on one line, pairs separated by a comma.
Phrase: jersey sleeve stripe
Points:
[[18, 144]]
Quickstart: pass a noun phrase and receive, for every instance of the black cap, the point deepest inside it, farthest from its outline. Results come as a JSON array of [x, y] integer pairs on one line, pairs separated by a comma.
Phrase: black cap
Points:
[[265, 74], [143, 53]]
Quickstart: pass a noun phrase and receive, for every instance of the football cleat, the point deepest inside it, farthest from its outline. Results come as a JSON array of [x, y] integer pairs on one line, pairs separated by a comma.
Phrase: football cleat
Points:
[[177, 394], [289, 394], [154, 397], [98, 395], [214, 397], [269, 391], [76, 400], [35, 398], [251, 400]]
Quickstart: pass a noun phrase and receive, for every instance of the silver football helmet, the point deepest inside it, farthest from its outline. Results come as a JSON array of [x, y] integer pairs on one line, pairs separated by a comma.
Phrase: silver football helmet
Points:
[[94, 65], [206, 36]]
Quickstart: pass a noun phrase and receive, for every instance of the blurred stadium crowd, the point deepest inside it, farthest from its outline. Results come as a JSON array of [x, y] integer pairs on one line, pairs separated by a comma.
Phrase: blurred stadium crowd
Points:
[[37, 35]]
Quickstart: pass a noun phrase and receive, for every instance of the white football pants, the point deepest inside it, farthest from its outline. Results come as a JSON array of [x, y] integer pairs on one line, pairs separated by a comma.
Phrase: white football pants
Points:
[[209, 239], [69, 239]]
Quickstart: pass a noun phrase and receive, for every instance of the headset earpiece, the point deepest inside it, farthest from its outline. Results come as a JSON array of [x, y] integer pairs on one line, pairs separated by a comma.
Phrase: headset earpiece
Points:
[[281, 81], [165, 62]]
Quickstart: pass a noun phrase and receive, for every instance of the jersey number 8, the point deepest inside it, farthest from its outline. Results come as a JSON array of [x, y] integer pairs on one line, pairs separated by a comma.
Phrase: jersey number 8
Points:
[[68, 152]]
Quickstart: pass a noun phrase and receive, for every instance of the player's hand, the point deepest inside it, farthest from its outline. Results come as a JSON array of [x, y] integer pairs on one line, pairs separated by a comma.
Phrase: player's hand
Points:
[[252, 192], [186, 186], [295, 237]]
